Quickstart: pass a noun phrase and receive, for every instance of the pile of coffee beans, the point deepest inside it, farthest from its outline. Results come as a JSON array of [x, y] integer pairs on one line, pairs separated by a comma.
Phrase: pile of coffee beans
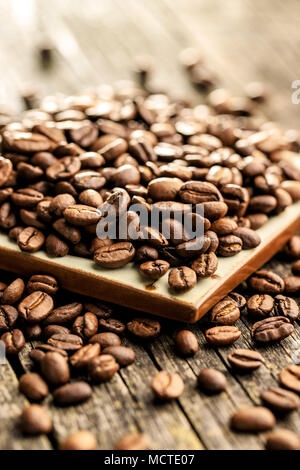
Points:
[[67, 163]]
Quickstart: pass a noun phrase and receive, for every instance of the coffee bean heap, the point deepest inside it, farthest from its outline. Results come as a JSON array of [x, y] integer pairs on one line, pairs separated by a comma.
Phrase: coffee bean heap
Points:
[[65, 164]]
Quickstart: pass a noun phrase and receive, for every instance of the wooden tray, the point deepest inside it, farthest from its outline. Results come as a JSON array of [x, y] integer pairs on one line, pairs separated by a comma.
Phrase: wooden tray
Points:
[[126, 287]]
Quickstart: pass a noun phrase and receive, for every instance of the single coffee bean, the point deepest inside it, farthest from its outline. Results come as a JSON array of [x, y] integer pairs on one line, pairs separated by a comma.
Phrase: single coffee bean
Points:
[[292, 285], [282, 439], [13, 292], [33, 386], [35, 420], [103, 368], [81, 215], [280, 400], [186, 343], [164, 189], [114, 256], [36, 356], [133, 442], [36, 307], [100, 309], [154, 269], [182, 279], [144, 328], [206, 265], [67, 231], [69, 343], [60, 203], [236, 298], [72, 394], [225, 312], [222, 335], [249, 237], [195, 247], [105, 340], [64, 314], [224, 226], [290, 378], [253, 419], [14, 341], [212, 381], [84, 355], [167, 386], [260, 305], [86, 325], [31, 239], [257, 220], [195, 192], [146, 253], [81, 440], [266, 282], [44, 283], [229, 245], [51, 330], [33, 331], [112, 325], [292, 248], [271, 329], [263, 203], [286, 307], [55, 368], [123, 355], [56, 247], [236, 198], [8, 317], [245, 359]]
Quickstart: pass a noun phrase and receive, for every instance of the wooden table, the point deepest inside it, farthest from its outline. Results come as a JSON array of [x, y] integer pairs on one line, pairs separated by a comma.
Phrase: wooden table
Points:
[[96, 42]]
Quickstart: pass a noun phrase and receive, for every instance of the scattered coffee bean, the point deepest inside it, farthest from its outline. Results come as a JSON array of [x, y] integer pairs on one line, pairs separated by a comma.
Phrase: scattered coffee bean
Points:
[[245, 359], [33, 386], [84, 355], [266, 282], [186, 343], [114, 256], [103, 368], [14, 341], [44, 283], [36, 307], [167, 386], [206, 265], [182, 279], [290, 378], [212, 381], [68, 343], [81, 440], [8, 317], [35, 420], [222, 335], [112, 325], [292, 285], [253, 419], [292, 248], [86, 326], [238, 299], [282, 439], [154, 269], [260, 305], [72, 394], [13, 292], [123, 355], [296, 268], [280, 400], [105, 340], [286, 307], [65, 314], [144, 328], [225, 312], [55, 368], [271, 329]]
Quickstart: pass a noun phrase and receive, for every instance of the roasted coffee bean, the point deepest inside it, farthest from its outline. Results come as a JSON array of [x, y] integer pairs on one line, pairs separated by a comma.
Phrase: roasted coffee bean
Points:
[[105, 340], [64, 314], [69, 343], [292, 285], [133, 442], [146, 253], [33, 386], [282, 439], [48, 348], [271, 329], [103, 368], [212, 381], [123, 355], [229, 245], [153, 237], [292, 248], [245, 359], [84, 355], [13, 292], [167, 386], [206, 265], [250, 238], [81, 215], [195, 192], [72, 394], [238, 299], [26, 197], [31, 239], [264, 203], [290, 378], [69, 232], [55, 368], [8, 317], [63, 169], [186, 343], [182, 279], [260, 305], [222, 335], [60, 203], [44, 283], [266, 282], [286, 307], [51, 330], [86, 326], [6, 169], [280, 400], [253, 419], [144, 328], [114, 256], [214, 241], [236, 198], [35, 420], [33, 331], [36, 356], [192, 248], [90, 197], [56, 247], [14, 341], [100, 309], [164, 189], [154, 269], [257, 220], [81, 440], [225, 312], [112, 325], [36, 307], [224, 226]]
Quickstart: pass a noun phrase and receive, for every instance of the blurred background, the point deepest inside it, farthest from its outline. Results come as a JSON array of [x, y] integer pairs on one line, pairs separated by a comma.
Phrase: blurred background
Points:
[[69, 45]]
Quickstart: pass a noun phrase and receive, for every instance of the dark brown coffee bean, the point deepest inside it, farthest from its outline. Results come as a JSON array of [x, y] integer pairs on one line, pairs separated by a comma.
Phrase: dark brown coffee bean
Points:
[[224, 226], [31, 239], [182, 279], [100, 309], [42, 282], [245, 359], [186, 343], [56, 247], [257, 220], [35, 420], [236, 198], [81, 215], [114, 256], [286, 307], [214, 241], [69, 343], [60, 203], [64, 314], [48, 348], [146, 253], [144, 328], [222, 335], [212, 381], [63, 169], [33, 331], [133, 442], [266, 282], [167, 386], [36, 307], [112, 325], [292, 248], [154, 269], [103, 368], [236, 298], [193, 248], [253, 419], [84, 355], [14, 341], [8, 317], [280, 400], [123, 355], [33, 386], [195, 192], [263, 203], [105, 340], [292, 285], [250, 238], [51, 330], [260, 305], [290, 378], [225, 312], [282, 439], [13, 292], [164, 189], [72, 394], [36, 356], [229, 245], [81, 440], [26, 197], [90, 197], [271, 329], [55, 368], [206, 265], [86, 326]]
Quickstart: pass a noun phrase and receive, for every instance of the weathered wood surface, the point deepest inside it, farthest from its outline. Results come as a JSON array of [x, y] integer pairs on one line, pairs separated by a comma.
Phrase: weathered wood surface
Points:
[[96, 42]]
